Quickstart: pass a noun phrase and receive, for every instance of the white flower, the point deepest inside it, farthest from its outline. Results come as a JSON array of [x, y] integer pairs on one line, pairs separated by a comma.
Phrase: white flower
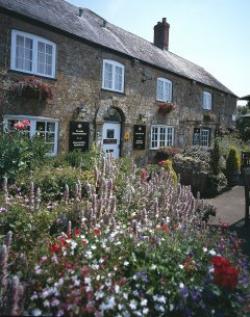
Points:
[[153, 267], [145, 310], [99, 295], [181, 285], [36, 312], [117, 289], [89, 254], [60, 313], [93, 247], [38, 269], [181, 266], [204, 249], [46, 303], [144, 302], [133, 304], [159, 299], [125, 263], [171, 307], [168, 220], [73, 245], [212, 252], [45, 294], [55, 302], [87, 280], [109, 304], [34, 296]]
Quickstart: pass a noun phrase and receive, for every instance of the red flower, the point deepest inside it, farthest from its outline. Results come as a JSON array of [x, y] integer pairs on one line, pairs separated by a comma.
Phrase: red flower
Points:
[[225, 274], [77, 232], [97, 232], [165, 228], [144, 175], [55, 248]]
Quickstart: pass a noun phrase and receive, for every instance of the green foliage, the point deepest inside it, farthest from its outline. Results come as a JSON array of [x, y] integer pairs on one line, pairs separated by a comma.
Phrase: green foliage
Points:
[[18, 153], [215, 158], [243, 124], [232, 165], [215, 184], [52, 180]]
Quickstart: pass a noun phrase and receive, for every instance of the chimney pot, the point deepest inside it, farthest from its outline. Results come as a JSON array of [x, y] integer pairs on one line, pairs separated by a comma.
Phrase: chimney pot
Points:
[[161, 34], [80, 12]]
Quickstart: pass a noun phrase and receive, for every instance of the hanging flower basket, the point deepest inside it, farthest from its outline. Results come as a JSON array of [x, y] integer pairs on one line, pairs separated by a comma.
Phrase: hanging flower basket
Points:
[[167, 107], [34, 88]]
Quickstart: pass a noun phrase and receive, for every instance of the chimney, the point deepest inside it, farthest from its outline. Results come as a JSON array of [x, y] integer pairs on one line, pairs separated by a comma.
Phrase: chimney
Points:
[[80, 13], [161, 34]]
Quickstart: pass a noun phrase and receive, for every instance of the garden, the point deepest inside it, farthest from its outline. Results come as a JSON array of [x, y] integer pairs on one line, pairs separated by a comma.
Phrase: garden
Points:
[[85, 235]]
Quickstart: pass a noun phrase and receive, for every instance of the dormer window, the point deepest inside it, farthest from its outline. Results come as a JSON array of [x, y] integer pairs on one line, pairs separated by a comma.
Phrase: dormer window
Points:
[[207, 100], [164, 90], [113, 76], [32, 54]]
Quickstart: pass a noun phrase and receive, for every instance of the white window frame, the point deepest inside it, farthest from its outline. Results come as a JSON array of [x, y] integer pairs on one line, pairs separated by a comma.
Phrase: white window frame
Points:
[[32, 131], [206, 100], [168, 97], [113, 64], [158, 140], [204, 137], [35, 39]]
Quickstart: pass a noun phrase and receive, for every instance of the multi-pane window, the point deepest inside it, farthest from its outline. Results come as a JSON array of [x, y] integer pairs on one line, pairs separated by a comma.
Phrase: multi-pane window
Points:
[[206, 100], [113, 76], [32, 54], [201, 137], [164, 90], [161, 136], [45, 128]]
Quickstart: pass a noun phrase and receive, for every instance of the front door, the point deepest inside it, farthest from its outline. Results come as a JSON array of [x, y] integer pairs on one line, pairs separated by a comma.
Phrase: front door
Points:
[[111, 135]]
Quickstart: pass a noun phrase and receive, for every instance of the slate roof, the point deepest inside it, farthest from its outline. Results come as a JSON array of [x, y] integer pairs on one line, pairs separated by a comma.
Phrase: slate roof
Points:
[[65, 16]]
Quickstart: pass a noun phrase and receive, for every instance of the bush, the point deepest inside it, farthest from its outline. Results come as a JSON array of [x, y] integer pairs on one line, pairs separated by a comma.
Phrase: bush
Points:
[[215, 158], [232, 166], [52, 181], [165, 154], [18, 153], [215, 184]]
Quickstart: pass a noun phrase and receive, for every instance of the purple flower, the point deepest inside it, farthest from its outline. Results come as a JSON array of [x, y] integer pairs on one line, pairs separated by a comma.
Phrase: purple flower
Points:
[[2, 209]]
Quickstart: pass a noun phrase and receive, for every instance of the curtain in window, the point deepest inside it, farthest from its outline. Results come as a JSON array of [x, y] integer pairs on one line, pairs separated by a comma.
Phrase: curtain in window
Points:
[[24, 49], [44, 58]]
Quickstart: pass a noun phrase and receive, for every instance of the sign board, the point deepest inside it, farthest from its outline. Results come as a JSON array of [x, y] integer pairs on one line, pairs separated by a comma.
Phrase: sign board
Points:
[[139, 137], [79, 136]]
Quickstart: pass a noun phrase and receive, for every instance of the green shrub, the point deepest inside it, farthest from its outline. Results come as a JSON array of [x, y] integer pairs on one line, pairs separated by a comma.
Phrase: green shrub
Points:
[[18, 153], [165, 154], [215, 158], [215, 184], [232, 165], [52, 180]]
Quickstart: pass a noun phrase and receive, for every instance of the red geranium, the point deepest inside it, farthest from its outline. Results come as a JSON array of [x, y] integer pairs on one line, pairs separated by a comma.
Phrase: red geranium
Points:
[[225, 274]]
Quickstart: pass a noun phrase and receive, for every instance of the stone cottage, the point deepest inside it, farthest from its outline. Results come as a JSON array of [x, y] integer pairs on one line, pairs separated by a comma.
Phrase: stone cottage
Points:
[[80, 79]]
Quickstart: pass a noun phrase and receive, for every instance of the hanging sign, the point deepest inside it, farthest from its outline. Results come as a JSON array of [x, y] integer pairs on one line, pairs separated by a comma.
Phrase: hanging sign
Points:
[[139, 137], [79, 136]]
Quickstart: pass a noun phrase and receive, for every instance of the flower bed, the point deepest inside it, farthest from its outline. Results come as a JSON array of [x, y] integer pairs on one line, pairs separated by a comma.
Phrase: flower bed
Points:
[[135, 245], [166, 107]]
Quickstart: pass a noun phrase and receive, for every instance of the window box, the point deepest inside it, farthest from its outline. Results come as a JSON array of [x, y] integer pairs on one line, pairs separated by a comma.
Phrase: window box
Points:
[[167, 107], [32, 54], [164, 90], [113, 76], [161, 136], [32, 87]]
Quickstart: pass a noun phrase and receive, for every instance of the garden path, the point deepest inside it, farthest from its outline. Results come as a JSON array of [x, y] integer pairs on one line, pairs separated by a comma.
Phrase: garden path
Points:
[[231, 210], [230, 206]]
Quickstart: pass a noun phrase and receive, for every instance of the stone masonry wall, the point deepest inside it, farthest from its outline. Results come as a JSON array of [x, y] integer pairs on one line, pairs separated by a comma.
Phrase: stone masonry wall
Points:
[[78, 84]]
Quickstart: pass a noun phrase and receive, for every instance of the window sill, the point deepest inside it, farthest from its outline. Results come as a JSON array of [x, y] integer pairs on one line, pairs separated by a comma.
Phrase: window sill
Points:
[[31, 74], [113, 91]]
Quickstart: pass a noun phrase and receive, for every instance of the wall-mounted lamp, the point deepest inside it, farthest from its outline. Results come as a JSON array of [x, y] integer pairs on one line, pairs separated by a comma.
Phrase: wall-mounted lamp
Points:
[[79, 109]]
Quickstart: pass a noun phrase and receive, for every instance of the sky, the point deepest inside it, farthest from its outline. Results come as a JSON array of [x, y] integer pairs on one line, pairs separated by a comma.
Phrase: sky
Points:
[[214, 34]]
